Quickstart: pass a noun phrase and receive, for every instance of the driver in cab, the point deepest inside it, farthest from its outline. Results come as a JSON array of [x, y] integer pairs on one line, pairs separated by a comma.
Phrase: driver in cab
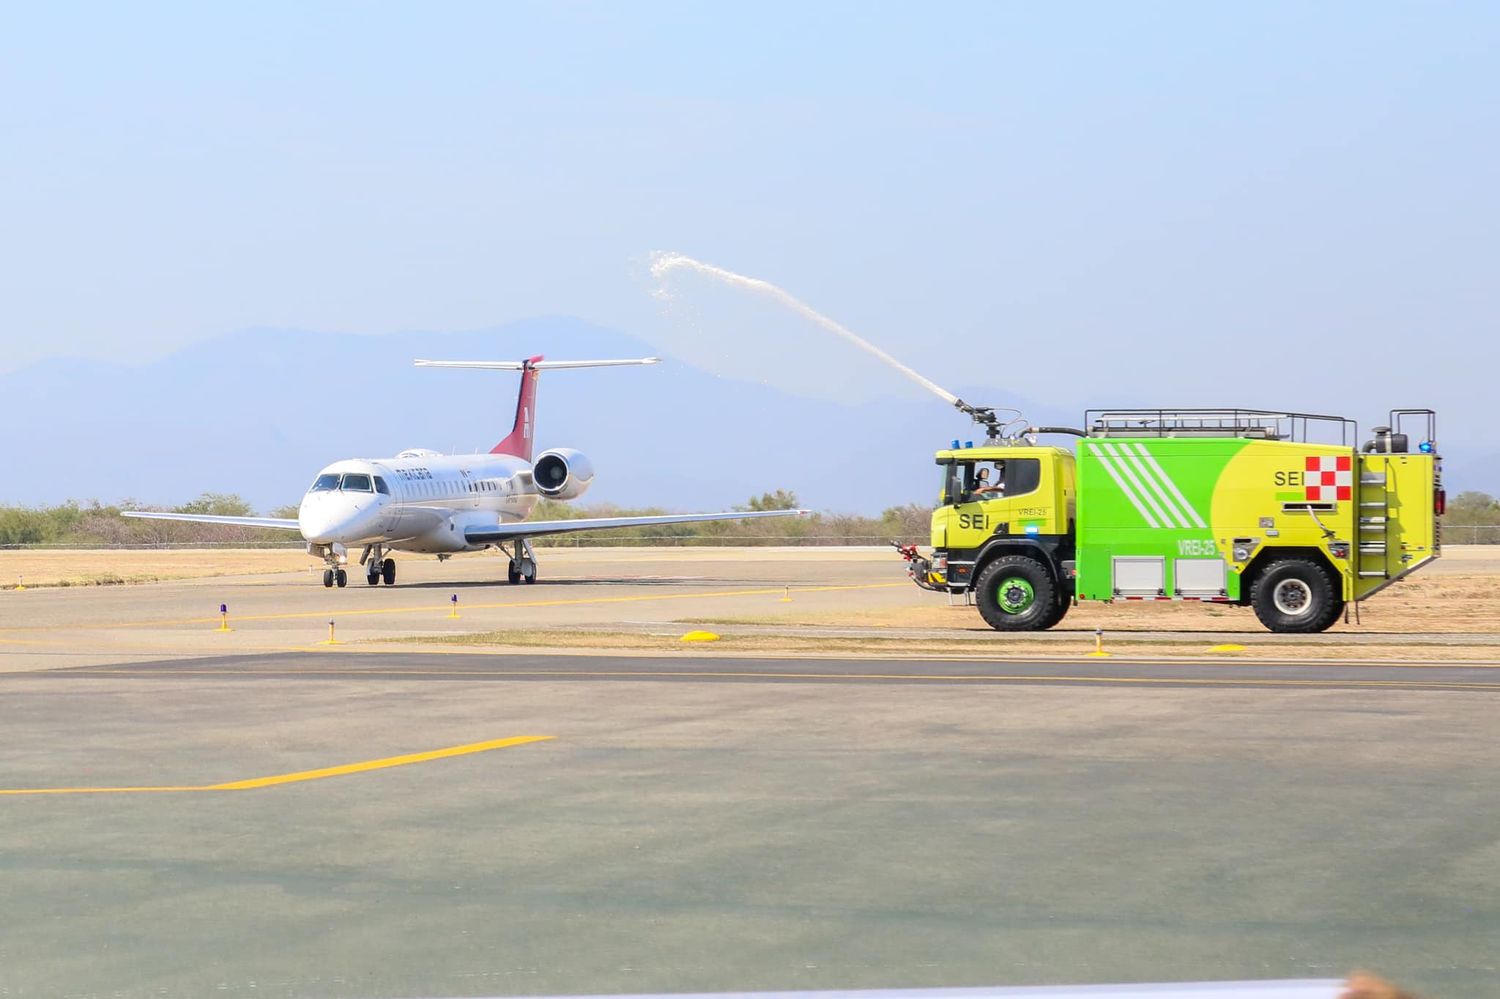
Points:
[[984, 488]]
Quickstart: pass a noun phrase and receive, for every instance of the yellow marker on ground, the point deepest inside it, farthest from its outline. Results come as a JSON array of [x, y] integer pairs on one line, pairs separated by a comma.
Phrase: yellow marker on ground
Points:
[[301, 775], [20, 582], [1098, 652], [331, 639], [454, 612], [699, 636], [1228, 647], [224, 618], [786, 596]]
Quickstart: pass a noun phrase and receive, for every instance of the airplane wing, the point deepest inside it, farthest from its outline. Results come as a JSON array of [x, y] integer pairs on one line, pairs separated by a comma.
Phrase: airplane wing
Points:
[[535, 528], [275, 523]]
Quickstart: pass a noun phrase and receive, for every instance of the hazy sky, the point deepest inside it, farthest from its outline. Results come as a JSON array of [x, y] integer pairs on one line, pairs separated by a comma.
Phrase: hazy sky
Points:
[[1197, 202]]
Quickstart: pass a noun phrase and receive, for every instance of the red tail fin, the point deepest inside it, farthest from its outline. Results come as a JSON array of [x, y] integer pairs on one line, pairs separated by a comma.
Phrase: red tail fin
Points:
[[519, 441]]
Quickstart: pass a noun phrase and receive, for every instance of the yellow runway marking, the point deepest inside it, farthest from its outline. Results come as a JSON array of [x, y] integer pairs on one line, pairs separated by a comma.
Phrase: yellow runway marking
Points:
[[432, 608], [301, 775]]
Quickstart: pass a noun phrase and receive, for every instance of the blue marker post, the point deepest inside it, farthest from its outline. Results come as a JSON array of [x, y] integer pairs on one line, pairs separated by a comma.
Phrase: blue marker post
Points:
[[224, 618], [454, 613]]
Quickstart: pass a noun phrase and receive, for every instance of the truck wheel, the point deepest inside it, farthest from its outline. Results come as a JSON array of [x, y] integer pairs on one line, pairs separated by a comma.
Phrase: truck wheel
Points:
[[1061, 612], [1016, 593], [1295, 596]]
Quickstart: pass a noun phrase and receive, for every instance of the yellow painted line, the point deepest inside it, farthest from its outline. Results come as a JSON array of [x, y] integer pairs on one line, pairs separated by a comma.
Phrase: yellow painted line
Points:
[[301, 775], [430, 608], [911, 677]]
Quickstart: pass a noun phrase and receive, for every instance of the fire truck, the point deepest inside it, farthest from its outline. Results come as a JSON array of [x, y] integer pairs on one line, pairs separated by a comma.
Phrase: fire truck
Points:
[[1288, 513]]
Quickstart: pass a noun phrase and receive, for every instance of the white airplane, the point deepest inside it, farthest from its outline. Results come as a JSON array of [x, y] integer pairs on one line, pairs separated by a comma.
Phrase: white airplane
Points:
[[430, 503]]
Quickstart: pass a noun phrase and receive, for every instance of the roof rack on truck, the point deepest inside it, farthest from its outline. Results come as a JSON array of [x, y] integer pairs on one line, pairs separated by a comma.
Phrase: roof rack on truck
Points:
[[1254, 424]]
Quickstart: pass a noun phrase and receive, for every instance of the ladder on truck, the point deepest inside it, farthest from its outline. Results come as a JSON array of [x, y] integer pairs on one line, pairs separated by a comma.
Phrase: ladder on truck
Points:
[[1374, 497]]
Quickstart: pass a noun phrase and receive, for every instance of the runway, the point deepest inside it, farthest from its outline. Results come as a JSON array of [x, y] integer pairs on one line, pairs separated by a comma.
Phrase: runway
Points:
[[466, 666], [395, 824], [250, 812]]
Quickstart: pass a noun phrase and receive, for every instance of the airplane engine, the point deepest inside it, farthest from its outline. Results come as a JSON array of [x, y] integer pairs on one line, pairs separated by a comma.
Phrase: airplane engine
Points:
[[562, 473]]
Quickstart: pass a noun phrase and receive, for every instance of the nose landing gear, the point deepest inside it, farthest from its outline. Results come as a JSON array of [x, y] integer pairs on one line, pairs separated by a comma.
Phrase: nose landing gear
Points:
[[334, 558]]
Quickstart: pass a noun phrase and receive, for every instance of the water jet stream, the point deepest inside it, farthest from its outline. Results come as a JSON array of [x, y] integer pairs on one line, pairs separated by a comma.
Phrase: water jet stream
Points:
[[664, 262]]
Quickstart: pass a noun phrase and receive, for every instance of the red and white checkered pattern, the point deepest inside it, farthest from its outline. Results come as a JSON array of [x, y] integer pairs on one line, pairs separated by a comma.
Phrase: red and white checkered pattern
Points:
[[1329, 480]]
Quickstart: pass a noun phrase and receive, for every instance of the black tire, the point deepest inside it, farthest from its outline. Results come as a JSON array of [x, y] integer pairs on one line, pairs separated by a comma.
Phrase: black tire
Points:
[[1296, 596], [1029, 599], [530, 577], [388, 571], [372, 577], [341, 578], [1063, 603], [327, 577], [513, 573]]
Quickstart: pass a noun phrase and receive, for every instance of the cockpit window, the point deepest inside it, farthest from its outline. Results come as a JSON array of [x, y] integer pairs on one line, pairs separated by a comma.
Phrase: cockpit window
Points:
[[356, 482], [325, 483], [381, 487]]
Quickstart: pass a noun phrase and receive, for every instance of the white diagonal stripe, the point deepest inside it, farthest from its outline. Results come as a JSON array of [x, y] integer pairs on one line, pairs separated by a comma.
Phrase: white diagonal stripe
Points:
[[1172, 486], [1109, 467], [1129, 473], [1156, 486]]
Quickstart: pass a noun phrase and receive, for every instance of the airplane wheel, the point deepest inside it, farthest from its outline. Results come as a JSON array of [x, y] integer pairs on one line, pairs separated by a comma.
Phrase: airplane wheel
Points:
[[341, 578], [514, 572], [327, 577], [372, 577], [389, 571], [529, 574]]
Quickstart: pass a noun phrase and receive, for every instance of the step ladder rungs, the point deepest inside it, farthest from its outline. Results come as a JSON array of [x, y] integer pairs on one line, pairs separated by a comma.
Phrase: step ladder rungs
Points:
[[1372, 547], [1372, 479], [1373, 503], [1372, 573], [1372, 522]]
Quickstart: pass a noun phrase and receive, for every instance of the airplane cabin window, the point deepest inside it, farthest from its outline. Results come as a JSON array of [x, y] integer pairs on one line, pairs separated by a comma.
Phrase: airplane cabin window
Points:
[[325, 483], [381, 487], [356, 482]]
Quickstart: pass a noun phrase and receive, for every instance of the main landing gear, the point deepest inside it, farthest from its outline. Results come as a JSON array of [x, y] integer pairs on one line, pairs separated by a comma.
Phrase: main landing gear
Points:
[[522, 562], [378, 567]]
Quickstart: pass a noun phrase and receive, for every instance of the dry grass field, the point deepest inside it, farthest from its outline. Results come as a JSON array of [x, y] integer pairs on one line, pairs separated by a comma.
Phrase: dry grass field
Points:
[[111, 567]]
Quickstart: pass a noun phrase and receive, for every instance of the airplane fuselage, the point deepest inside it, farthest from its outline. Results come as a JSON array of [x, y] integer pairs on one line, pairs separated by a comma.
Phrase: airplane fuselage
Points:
[[419, 501]]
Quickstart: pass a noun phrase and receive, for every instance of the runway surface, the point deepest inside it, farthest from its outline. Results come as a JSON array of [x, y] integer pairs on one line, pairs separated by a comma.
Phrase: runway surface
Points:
[[186, 811], [477, 666], [346, 824]]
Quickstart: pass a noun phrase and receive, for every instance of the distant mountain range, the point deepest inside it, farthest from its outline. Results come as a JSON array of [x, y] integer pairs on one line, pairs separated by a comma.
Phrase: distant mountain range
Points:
[[258, 412]]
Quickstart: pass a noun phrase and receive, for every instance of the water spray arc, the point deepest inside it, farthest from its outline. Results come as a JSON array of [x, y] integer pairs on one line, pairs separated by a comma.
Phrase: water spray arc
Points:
[[663, 263]]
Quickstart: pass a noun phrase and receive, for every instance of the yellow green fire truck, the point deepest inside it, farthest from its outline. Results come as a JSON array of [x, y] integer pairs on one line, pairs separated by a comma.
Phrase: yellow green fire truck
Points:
[[1285, 512]]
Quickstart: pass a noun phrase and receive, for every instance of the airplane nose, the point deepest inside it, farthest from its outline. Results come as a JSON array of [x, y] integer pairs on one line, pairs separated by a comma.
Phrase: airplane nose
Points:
[[326, 519]]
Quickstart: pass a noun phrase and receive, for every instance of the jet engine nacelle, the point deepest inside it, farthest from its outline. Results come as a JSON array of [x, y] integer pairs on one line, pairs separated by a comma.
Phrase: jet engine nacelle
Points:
[[562, 473]]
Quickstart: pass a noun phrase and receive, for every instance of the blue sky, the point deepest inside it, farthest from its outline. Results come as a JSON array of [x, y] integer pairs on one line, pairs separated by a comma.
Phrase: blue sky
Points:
[[1280, 204]]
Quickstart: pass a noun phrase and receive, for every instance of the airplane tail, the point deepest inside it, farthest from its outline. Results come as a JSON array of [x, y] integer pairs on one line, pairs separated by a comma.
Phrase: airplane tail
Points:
[[519, 441]]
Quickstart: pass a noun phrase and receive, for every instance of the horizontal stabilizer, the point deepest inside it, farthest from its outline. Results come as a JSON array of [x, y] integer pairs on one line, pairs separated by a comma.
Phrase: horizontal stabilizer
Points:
[[538, 365], [274, 523], [530, 529]]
